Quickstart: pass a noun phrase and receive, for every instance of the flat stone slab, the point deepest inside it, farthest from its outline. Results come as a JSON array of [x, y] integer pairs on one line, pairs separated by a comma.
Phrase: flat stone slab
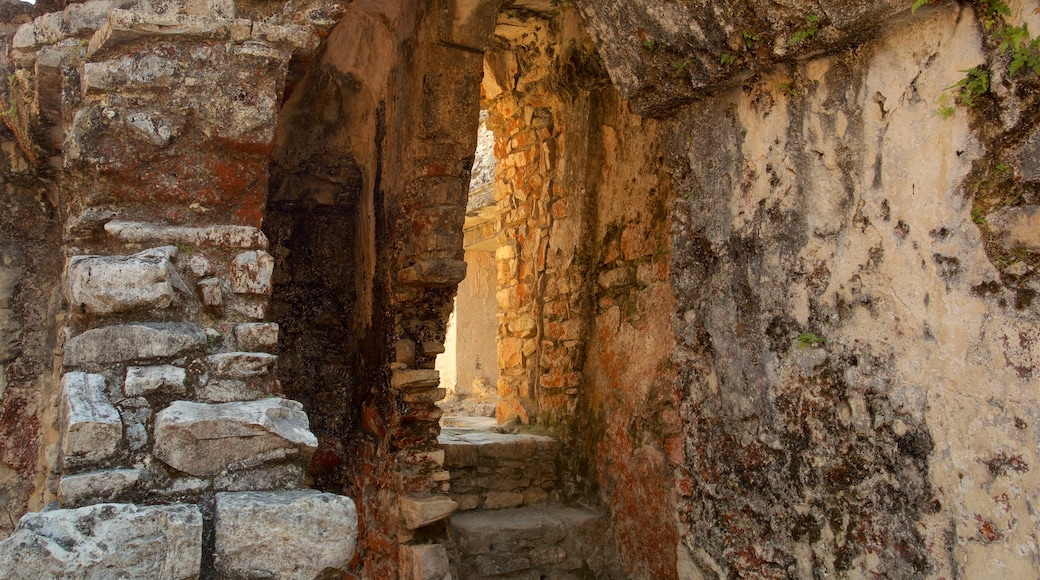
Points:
[[74, 490], [204, 439], [105, 541], [464, 447], [91, 429], [111, 284], [287, 534], [225, 236], [417, 512], [133, 342], [251, 273], [241, 365]]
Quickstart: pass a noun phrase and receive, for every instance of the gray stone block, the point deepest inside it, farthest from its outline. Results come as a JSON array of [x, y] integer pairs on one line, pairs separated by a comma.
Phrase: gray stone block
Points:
[[104, 485], [251, 273], [111, 284], [105, 541], [291, 534], [133, 342], [206, 439], [91, 429], [257, 336], [155, 379]]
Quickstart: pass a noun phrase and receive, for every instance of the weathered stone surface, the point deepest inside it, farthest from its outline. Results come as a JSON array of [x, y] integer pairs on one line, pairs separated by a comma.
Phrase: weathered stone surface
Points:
[[538, 540], [251, 273], [216, 235], [240, 365], [425, 562], [290, 534], [90, 426], [109, 284], [1017, 227], [417, 512], [205, 439], [124, 26], [74, 490], [434, 273], [105, 541], [158, 379], [257, 336], [209, 289], [133, 342], [76, 20]]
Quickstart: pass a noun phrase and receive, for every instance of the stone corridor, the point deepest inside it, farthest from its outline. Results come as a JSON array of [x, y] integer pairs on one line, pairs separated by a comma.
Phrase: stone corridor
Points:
[[519, 289]]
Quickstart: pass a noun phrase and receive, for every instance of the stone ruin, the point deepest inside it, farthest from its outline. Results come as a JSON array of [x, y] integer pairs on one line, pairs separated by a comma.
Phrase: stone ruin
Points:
[[747, 289]]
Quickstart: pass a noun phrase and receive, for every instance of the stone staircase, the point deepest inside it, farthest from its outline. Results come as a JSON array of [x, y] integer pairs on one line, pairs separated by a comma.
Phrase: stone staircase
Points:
[[511, 523]]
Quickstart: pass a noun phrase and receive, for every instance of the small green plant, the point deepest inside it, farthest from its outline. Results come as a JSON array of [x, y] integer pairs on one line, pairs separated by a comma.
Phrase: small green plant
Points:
[[978, 216], [917, 5], [649, 44], [680, 65], [214, 340], [727, 59], [974, 84], [1024, 50], [812, 26], [750, 40], [945, 110], [184, 248], [787, 88], [1002, 167], [808, 339], [686, 194]]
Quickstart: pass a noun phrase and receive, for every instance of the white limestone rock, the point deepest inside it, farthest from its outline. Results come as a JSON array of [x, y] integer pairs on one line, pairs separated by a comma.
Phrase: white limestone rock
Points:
[[111, 284], [289, 534], [417, 512], [241, 365], [97, 485], [251, 273], [133, 342], [425, 562], [105, 541], [91, 429], [257, 336], [155, 379], [204, 439], [220, 235]]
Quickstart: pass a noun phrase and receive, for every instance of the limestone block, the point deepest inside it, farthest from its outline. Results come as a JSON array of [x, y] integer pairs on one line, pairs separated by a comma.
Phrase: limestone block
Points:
[[91, 429], [97, 485], [407, 379], [251, 273], [137, 415], [200, 265], [133, 342], [125, 26], [205, 439], [257, 336], [219, 235], [250, 306], [425, 562], [241, 365], [1017, 227], [110, 284], [417, 512], [289, 534], [156, 379], [210, 291], [106, 541], [76, 20]]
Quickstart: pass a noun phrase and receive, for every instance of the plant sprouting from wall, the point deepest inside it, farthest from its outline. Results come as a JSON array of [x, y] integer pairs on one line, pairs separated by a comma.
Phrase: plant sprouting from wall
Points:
[[812, 26]]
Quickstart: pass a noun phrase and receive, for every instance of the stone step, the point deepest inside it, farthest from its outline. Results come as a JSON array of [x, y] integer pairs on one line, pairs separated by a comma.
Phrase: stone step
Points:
[[499, 470], [534, 542]]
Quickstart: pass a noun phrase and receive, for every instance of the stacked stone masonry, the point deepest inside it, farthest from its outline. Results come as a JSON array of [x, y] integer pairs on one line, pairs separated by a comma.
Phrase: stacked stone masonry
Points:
[[170, 420]]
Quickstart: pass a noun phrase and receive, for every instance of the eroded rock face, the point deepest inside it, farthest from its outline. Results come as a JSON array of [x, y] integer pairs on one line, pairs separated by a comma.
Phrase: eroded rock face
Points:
[[291, 534], [106, 541], [206, 439]]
